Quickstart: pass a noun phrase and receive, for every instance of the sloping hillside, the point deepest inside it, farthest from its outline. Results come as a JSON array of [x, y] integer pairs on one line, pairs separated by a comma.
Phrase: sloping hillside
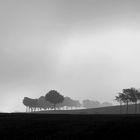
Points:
[[102, 110]]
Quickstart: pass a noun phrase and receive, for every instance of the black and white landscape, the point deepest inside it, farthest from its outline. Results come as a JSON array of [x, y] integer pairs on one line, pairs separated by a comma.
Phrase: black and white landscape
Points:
[[69, 69]]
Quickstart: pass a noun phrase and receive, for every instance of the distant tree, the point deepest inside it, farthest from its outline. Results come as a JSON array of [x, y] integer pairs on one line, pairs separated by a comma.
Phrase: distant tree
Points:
[[131, 95], [138, 95], [126, 97], [60, 105], [26, 103], [134, 95], [119, 99], [54, 97], [68, 102], [30, 104], [90, 104], [43, 104], [104, 104], [76, 104], [35, 104]]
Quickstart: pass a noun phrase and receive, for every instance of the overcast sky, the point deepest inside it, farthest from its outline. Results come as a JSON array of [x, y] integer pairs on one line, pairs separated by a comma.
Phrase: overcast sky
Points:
[[85, 49]]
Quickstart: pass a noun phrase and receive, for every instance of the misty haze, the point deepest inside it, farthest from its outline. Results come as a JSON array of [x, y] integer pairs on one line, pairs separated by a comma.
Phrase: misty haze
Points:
[[83, 49]]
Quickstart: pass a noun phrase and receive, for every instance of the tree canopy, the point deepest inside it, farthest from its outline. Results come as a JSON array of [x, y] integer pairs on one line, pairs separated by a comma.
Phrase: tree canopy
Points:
[[54, 97], [129, 95]]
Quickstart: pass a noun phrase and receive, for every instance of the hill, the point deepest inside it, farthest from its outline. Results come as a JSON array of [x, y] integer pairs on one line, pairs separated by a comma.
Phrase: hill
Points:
[[101, 110], [100, 123]]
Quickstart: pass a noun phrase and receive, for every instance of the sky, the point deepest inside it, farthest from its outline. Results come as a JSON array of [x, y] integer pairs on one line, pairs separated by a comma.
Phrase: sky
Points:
[[84, 49]]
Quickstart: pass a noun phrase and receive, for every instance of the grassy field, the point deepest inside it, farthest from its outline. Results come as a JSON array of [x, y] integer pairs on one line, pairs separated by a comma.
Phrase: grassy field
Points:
[[105, 122], [19, 126], [101, 110]]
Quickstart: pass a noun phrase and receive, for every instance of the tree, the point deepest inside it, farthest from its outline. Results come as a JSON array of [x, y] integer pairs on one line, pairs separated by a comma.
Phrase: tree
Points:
[[76, 103], [43, 104], [119, 99], [67, 102], [30, 103], [138, 94], [26, 103], [126, 97], [54, 97], [134, 97], [90, 104], [104, 104], [129, 95]]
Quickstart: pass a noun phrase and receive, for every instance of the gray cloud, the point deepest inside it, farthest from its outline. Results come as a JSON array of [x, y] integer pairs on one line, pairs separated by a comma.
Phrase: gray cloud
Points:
[[34, 34]]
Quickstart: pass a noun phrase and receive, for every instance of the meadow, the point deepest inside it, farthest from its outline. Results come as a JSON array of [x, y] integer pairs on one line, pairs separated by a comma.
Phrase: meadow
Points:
[[56, 125]]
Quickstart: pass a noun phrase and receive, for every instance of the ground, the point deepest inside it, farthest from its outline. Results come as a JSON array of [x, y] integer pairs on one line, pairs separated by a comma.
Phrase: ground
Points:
[[19, 126]]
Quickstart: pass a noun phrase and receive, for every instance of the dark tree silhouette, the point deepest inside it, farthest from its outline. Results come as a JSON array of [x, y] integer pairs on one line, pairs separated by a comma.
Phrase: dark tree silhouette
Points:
[[119, 99], [54, 97], [126, 97], [30, 104], [134, 97], [131, 95], [26, 102], [43, 104]]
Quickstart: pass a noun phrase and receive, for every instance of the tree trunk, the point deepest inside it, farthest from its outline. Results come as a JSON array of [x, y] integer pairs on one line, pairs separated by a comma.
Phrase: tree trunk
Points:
[[54, 106], [135, 107], [120, 108], [127, 108]]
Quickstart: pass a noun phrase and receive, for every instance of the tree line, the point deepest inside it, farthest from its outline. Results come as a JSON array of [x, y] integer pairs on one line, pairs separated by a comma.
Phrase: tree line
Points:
[[129, 95], [94, 104], [54, 100]]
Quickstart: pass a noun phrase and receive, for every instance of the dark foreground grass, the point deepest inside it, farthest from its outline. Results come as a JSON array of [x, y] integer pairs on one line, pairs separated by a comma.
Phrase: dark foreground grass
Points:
[[61, 126]]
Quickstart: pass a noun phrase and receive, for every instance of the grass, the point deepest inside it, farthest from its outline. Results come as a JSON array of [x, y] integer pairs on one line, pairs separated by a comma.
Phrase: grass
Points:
[[101, 110], [105, 122], [19, 126]]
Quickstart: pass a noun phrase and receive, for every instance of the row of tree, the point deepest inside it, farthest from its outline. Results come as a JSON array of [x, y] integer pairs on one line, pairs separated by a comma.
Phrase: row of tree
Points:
[[94, 104], [130, 95], [54, 100]]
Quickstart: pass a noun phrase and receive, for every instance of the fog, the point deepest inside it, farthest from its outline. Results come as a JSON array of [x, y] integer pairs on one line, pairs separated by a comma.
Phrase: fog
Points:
[[85, 49]]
